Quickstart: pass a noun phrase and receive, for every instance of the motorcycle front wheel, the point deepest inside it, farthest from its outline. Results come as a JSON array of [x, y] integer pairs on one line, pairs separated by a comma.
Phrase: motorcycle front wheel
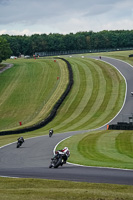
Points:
[[50, 166], [58, 163], [18, 145]]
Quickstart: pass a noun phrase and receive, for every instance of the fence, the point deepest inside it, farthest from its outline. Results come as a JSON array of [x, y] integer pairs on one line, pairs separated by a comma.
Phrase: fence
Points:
[[67, 52]]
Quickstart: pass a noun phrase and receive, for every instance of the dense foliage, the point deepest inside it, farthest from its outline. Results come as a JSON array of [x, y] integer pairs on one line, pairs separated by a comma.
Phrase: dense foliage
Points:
[[5, 50], [28, 45]]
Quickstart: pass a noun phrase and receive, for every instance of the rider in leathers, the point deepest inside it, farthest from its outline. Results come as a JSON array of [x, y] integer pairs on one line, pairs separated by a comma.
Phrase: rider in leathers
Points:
[[66, 154], [21, 140]]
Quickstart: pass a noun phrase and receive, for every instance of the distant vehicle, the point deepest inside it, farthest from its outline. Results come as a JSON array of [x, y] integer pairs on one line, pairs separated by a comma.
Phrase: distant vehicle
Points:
[[27, 56], [13, 57]]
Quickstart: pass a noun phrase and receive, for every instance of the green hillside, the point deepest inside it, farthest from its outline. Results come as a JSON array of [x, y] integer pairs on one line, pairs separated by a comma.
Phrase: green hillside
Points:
[[29, 90], [96, 97]]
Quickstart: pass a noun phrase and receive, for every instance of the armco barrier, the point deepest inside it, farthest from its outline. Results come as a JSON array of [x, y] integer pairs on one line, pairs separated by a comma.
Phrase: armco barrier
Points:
[[53, 112]]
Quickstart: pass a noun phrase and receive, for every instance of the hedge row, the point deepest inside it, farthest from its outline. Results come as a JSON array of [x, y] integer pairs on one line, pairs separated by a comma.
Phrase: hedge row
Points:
[[53, 112]]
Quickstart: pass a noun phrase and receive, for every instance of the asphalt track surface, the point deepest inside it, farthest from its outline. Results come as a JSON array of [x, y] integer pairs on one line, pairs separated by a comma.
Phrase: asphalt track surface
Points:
[[32, 159]]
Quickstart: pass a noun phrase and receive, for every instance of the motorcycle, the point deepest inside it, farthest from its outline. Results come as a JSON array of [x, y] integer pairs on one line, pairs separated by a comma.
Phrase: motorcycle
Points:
[[51, 133], [19, 143], [57, 160]]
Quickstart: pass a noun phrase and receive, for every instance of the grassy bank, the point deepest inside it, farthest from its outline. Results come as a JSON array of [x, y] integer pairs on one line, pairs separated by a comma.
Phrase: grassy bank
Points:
[[29, 90], [33, 189], [96, 97], [101, 148]]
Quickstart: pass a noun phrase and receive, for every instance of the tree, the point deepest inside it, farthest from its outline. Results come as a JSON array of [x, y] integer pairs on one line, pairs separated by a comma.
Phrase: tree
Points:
[[102, 40], [5, 51], [14, 45]]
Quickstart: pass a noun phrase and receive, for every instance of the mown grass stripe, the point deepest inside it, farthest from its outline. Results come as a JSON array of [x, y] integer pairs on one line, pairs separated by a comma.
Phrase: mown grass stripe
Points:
[[89, 101], [70, 101], [108, 93], [84, 94], [99, 92], [116, 98], [106, 145], [100, 116], [63, 81], [88, 148], [124, 143], [5, 94]]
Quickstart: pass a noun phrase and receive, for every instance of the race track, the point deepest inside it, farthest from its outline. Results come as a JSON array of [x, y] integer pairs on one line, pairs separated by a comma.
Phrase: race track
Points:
[[33, 158], [127, 72]]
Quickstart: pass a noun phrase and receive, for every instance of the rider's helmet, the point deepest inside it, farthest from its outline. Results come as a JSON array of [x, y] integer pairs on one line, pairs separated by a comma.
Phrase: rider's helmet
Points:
[[66, 151]]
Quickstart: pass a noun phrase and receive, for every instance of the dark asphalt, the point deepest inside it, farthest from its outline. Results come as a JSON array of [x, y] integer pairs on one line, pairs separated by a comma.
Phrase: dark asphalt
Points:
[[33, 158]]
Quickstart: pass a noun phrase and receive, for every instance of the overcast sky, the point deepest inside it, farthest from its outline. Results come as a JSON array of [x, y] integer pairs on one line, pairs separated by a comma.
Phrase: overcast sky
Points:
[[19, 17]]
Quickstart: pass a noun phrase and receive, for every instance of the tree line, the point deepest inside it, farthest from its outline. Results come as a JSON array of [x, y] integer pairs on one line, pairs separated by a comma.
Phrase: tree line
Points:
[[28, 45], [5, 50]]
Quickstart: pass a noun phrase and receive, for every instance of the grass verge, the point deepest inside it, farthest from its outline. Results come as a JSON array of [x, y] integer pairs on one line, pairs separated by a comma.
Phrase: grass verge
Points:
[[33, 189], [110, 148]]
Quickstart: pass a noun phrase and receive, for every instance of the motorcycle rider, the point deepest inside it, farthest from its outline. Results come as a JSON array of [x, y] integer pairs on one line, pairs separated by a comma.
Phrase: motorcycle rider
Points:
[[66, 154], [60, 157], [51, 132], [21, 140]]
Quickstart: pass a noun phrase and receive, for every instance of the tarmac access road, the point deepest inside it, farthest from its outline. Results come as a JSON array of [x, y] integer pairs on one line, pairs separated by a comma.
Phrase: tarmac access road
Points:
[[32, 159]]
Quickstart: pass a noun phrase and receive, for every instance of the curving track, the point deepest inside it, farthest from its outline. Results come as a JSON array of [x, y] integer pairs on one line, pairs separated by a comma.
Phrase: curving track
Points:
[[33, 158], [127, 72]]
